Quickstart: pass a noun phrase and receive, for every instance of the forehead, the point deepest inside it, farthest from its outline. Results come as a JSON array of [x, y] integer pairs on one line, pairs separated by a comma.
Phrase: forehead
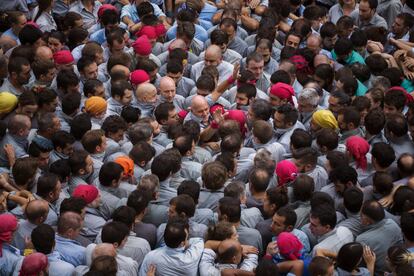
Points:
[[252, 63]]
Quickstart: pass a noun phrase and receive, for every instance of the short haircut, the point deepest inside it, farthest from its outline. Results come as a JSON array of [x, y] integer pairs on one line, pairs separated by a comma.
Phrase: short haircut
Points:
[[326, 215], [235, 189], [300, 139], [67, 221], [259, 179], [261, 109], [109, 172], [231, 208], [191, 188], [263, 131], [92, 139], [306, 156], [373, 210], [351, 115], [114, 232], [303, 187], [61, 139], [214, 175], [72, 204], [289, 214], [374, 121], [383, 153], [344, 174], [277, 196], [113, 124], [290, 114], [383, 183], [396, 124], [166, 164], [138, 201], [175, 233], [353, 199], [407, 225], [46, 184], [43, 238], [327, 137], [125, 214], [184, 204], [142, 152], [320, 265], [395, 98]]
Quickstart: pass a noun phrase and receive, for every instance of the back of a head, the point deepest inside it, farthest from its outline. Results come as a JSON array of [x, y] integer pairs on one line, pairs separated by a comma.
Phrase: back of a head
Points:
[[43, 238], [175, 233], [103, 265], [166, 164], [319, 266], [259, 179], [67, 221], [109, 173], [326, 215], [214, 175], [349, 256], [267, 268], [230, 209], [191, 188], [303, 187], [373, 210], [353, 199], [114, 232]]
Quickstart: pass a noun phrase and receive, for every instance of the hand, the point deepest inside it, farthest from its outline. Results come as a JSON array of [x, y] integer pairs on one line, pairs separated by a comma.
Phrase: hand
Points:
[[272, 248], [400, 55], [151, 270], [236, 69], [254, 3], [409, 63], [3, 180], [408, 74], [215, 146], [218, 116], [369, 256], [248, 249]]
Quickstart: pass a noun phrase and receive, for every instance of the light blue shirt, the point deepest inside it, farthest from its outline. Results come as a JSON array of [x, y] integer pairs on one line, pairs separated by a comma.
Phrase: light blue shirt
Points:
[[10, 261], [59, 267], [174, 261], [207, 12], [71, 251], [89, 18], [200, 33], [10, 33], [131, 11]]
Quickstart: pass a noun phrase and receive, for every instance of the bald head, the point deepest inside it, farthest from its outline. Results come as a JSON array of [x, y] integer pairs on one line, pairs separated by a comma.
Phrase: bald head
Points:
[[320, 59], [104, 249], [167, 89], [200, 107], [230, 252], [120, 69], [178, 43], [19, 125], [36, 211], [146, 93], [213, 55], [43, 53], [68, 224], [314, 43]]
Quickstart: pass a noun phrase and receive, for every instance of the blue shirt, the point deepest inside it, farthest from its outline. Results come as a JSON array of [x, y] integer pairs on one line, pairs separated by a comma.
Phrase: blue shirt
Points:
[[207, 12], [10, 33], [99, 36], [57, 266], [71, 251], [131, 11], [10, 261], [200, 33]]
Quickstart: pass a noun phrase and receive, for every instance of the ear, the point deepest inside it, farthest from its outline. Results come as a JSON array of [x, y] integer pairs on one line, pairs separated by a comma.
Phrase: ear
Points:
[[289, 228], [51, 194], [351, 126], [115, 244], [81, 171]]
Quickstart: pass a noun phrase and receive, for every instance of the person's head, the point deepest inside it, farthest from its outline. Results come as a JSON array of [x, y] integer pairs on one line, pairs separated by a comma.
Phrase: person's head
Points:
[[229, 209], [343, 48], [308, 101], [141, 153], [69, 224], [146, 93], [353, 199], [94, 141], [213, 56], [214, 175], [19, 125], [166, 164], [47, 101], [49, 187], [32, 36], [383, 156], [167, 89], [338, 100], [90, 195], [36, 211], [104, 264], [285, 117], [182, 206], [44, 71], [79, 125], [43, 238], [200, 108], [262, 132], [322, 219], [407, 226], [343, 177], [350, 256], [348, 119], [221, 231], [67, 81], [166, 114], [374, 121], [229, 26], [303, 187], [283, 220], [138, 201], [63, 143], [327, 140], [115, 233], [19, 71], [371, 212], [121, 91], [275, 198], [394, 102], [110, 174], [176, 233], [395, 126], [255, 64], [27, 104], [126, 215], [24, 172], [293, 40], [383, 184], [280, 94], [230, 252], [61, 168], [328, 33], [300, 139], [259, 109], [367, 9], [321, 266], [264, 47], [81, 163], [246, 93], [114, 127], [258, 180], [305, 159], [88, 68], [402, 23]]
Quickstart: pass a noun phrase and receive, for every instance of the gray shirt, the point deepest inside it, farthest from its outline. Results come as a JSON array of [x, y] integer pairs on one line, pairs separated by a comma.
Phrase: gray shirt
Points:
[[250, 217], [197, 230], [156, 214], [225, 70], [249, 236], [376, 21], [389, 9], [209, 198]]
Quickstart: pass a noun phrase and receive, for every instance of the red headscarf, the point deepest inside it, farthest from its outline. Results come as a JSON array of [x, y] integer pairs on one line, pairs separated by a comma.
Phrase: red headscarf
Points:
[[142, 46], [105, 7], [149, 31], [286, 172], [87, 192], [289, 246], [239, 117], [160, 30], [63, 57], [283, 91], [8, 224], [359, 148], [33, 264], [138, 76]]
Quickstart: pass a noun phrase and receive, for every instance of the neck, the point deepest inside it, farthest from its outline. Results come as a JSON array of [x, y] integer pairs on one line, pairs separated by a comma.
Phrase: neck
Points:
[[408, 243], [258, 195], [236, 224], [15, 84], [349, 6]]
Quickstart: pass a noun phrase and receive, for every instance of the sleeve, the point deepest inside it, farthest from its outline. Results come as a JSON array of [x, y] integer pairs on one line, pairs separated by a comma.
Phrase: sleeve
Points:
[[126, 12], [145, 266], [207, 267], [249, 263], [195, 249], [157, 11]]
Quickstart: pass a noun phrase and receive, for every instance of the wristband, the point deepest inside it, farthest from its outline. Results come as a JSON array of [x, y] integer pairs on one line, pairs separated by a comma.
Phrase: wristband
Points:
[[267, 256], [27, 252], [214, 125], [230, 80]]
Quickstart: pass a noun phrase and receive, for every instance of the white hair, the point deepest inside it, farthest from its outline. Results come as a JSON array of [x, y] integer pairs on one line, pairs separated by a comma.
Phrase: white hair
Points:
[[310, 96]]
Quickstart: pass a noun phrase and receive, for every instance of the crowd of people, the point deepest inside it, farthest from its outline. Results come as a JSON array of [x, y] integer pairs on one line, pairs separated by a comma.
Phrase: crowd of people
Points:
[[194, 137]]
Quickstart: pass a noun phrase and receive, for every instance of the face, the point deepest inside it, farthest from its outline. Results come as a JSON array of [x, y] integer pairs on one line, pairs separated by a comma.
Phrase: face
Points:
[[50, 75], [256, 68], [24, 76], [91, 71], [301, 167], [43, 159], [28, 110], [172, 117], [211, 59], [100, 91], [89, 164], [176, 77], [365, 12], [57, 191], [241, 100], [293, 41], [172, 212], [278, 224], [68, 150], [398, 26], [21, 21], [329, 42], [202, 111], [341, 122], [168, 92], [127, 98], [334, 105], [303, 106], [265, 52], [363, 113], [279, 121], [235, 235], [316, 227], [390, 109], [117, 47], [229, 30], [54, 44], [275, 101], [102, 146]]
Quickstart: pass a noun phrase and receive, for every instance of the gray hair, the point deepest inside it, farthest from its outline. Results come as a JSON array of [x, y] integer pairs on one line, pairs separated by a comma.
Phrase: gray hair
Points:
[[309, 95]]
